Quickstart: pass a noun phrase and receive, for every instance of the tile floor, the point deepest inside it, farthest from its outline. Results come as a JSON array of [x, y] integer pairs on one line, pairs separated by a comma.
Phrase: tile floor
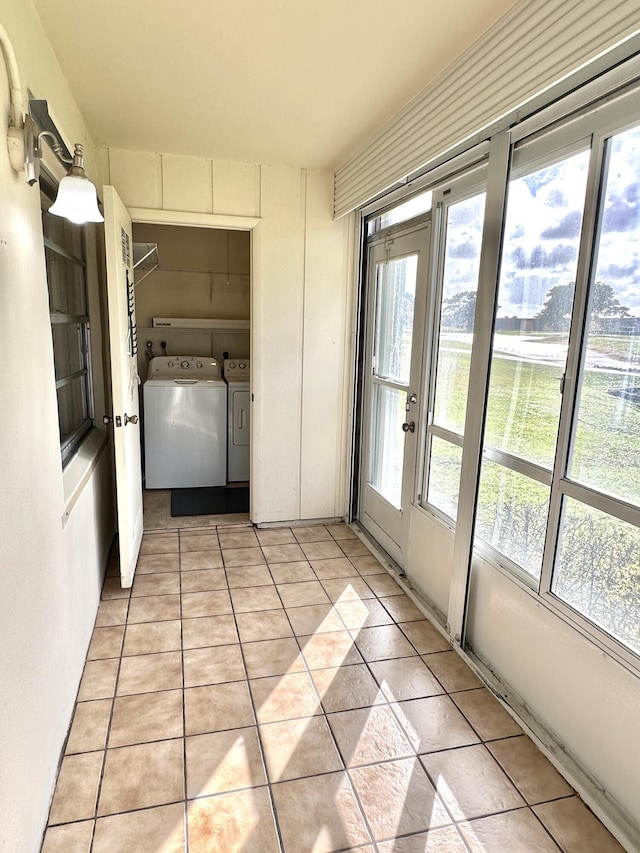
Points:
[[275, 690]]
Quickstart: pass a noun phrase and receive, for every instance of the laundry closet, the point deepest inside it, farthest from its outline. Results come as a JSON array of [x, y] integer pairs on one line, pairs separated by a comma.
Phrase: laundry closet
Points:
[[192, 311]]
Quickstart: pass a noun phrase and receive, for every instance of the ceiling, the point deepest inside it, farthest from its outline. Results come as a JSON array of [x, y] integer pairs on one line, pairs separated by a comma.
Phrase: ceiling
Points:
[[294, 82]]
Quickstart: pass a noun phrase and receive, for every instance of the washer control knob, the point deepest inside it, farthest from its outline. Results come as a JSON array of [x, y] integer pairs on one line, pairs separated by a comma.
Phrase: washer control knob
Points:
[[198, 364], [170, 364], [232, 365], [184, 364], [242, 365]]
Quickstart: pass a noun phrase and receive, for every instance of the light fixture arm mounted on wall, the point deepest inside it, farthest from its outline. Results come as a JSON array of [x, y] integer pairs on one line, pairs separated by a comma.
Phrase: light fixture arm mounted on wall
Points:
[[77, 199]]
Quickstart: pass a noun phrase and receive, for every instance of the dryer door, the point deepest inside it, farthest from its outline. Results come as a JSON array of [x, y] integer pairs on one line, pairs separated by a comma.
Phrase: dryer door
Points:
[[241, 426]]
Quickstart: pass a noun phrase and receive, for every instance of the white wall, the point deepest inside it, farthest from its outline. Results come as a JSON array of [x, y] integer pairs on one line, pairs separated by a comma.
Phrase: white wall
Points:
[[51, 571], [300, 306]]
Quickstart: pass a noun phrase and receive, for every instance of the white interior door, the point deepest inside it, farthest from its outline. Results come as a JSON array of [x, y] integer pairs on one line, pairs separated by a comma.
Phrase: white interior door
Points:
[[124, 381], [396, 299]]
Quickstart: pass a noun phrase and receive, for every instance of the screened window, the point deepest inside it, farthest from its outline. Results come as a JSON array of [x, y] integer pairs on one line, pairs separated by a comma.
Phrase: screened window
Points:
[[66, 279], [457, 291], [535, 299]]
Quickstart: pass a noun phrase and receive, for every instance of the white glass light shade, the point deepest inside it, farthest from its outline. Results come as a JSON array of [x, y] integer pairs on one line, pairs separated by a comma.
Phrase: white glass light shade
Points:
[[77, 201]]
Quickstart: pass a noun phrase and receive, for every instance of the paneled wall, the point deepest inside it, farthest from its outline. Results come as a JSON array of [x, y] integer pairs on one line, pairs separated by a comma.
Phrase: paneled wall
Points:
[[300, 313]]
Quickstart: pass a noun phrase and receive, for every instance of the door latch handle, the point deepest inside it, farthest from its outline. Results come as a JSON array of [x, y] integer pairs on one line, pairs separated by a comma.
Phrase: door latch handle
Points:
[[107, 419], [409, 427], [130, 420]]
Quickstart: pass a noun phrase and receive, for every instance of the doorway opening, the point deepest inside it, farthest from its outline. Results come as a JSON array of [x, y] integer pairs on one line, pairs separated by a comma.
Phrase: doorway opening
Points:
[[193, 314]]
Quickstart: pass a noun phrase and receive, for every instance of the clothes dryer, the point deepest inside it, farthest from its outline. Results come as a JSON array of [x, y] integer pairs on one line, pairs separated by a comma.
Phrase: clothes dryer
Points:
[[185, 423], [237, 372]]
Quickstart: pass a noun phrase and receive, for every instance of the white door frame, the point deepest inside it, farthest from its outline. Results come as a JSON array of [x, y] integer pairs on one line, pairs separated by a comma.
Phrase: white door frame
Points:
[[149, 216]]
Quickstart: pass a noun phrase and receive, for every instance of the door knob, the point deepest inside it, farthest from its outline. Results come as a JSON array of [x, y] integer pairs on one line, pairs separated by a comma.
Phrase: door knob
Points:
[[410, 427], [130, 420]]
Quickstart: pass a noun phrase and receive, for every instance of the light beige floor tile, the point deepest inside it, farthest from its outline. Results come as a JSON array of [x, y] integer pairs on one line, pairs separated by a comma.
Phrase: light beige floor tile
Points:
[[160, 583], [341, 531], [314, 619], [434, 723], [209, 631], [112, 589], [203, 580], [533, 775], [336, 567], [405, 678], [159, 543], [424, 637], [272, 657], [243, 539], [402, 608], [217, 708], [163, 562], [445, 840], [77, 788], [249, 576], [285, 553], [346, 687], [242, 557], [517, 831], [250, 598], [151, 637], [98, 679], [213, 665], [353, 547], [223, 761], [146, 717], [384, 585], [311, 533], [382, 643], [397, 798], [237, 822], [336, 648], [368, 565], [150, 673], [106, 643], [112, 612], [452, 672], [157, 830], [263, 625], [302, 594], [321, 550], [149, 774], [284, 697], [319, 814], [69, 838], [275, 536], [202, 541], [299, 570], [193, 560], [575, 828], [362, 613], [471, 783], [89, 726], [296, 748], [215, 603], [154, 608], [486, 714], [347, 589], [369, 735]]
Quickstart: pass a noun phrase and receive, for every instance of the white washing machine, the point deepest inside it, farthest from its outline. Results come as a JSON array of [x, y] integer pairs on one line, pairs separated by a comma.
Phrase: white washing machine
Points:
[[185, 423], [237, 374]]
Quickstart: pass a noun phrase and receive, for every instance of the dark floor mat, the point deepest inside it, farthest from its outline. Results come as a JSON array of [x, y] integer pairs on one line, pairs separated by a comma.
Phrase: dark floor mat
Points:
[[218, 500]]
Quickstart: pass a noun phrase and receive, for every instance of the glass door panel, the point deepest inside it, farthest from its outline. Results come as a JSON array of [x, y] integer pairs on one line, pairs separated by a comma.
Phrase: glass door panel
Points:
[[396, 296]]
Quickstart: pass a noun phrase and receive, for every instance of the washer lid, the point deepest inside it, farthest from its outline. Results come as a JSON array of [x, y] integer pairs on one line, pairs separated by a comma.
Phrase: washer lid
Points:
[[184, 367]]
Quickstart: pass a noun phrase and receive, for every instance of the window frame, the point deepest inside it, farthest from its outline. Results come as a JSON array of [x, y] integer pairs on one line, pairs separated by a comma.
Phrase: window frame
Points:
[[70, 442]]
